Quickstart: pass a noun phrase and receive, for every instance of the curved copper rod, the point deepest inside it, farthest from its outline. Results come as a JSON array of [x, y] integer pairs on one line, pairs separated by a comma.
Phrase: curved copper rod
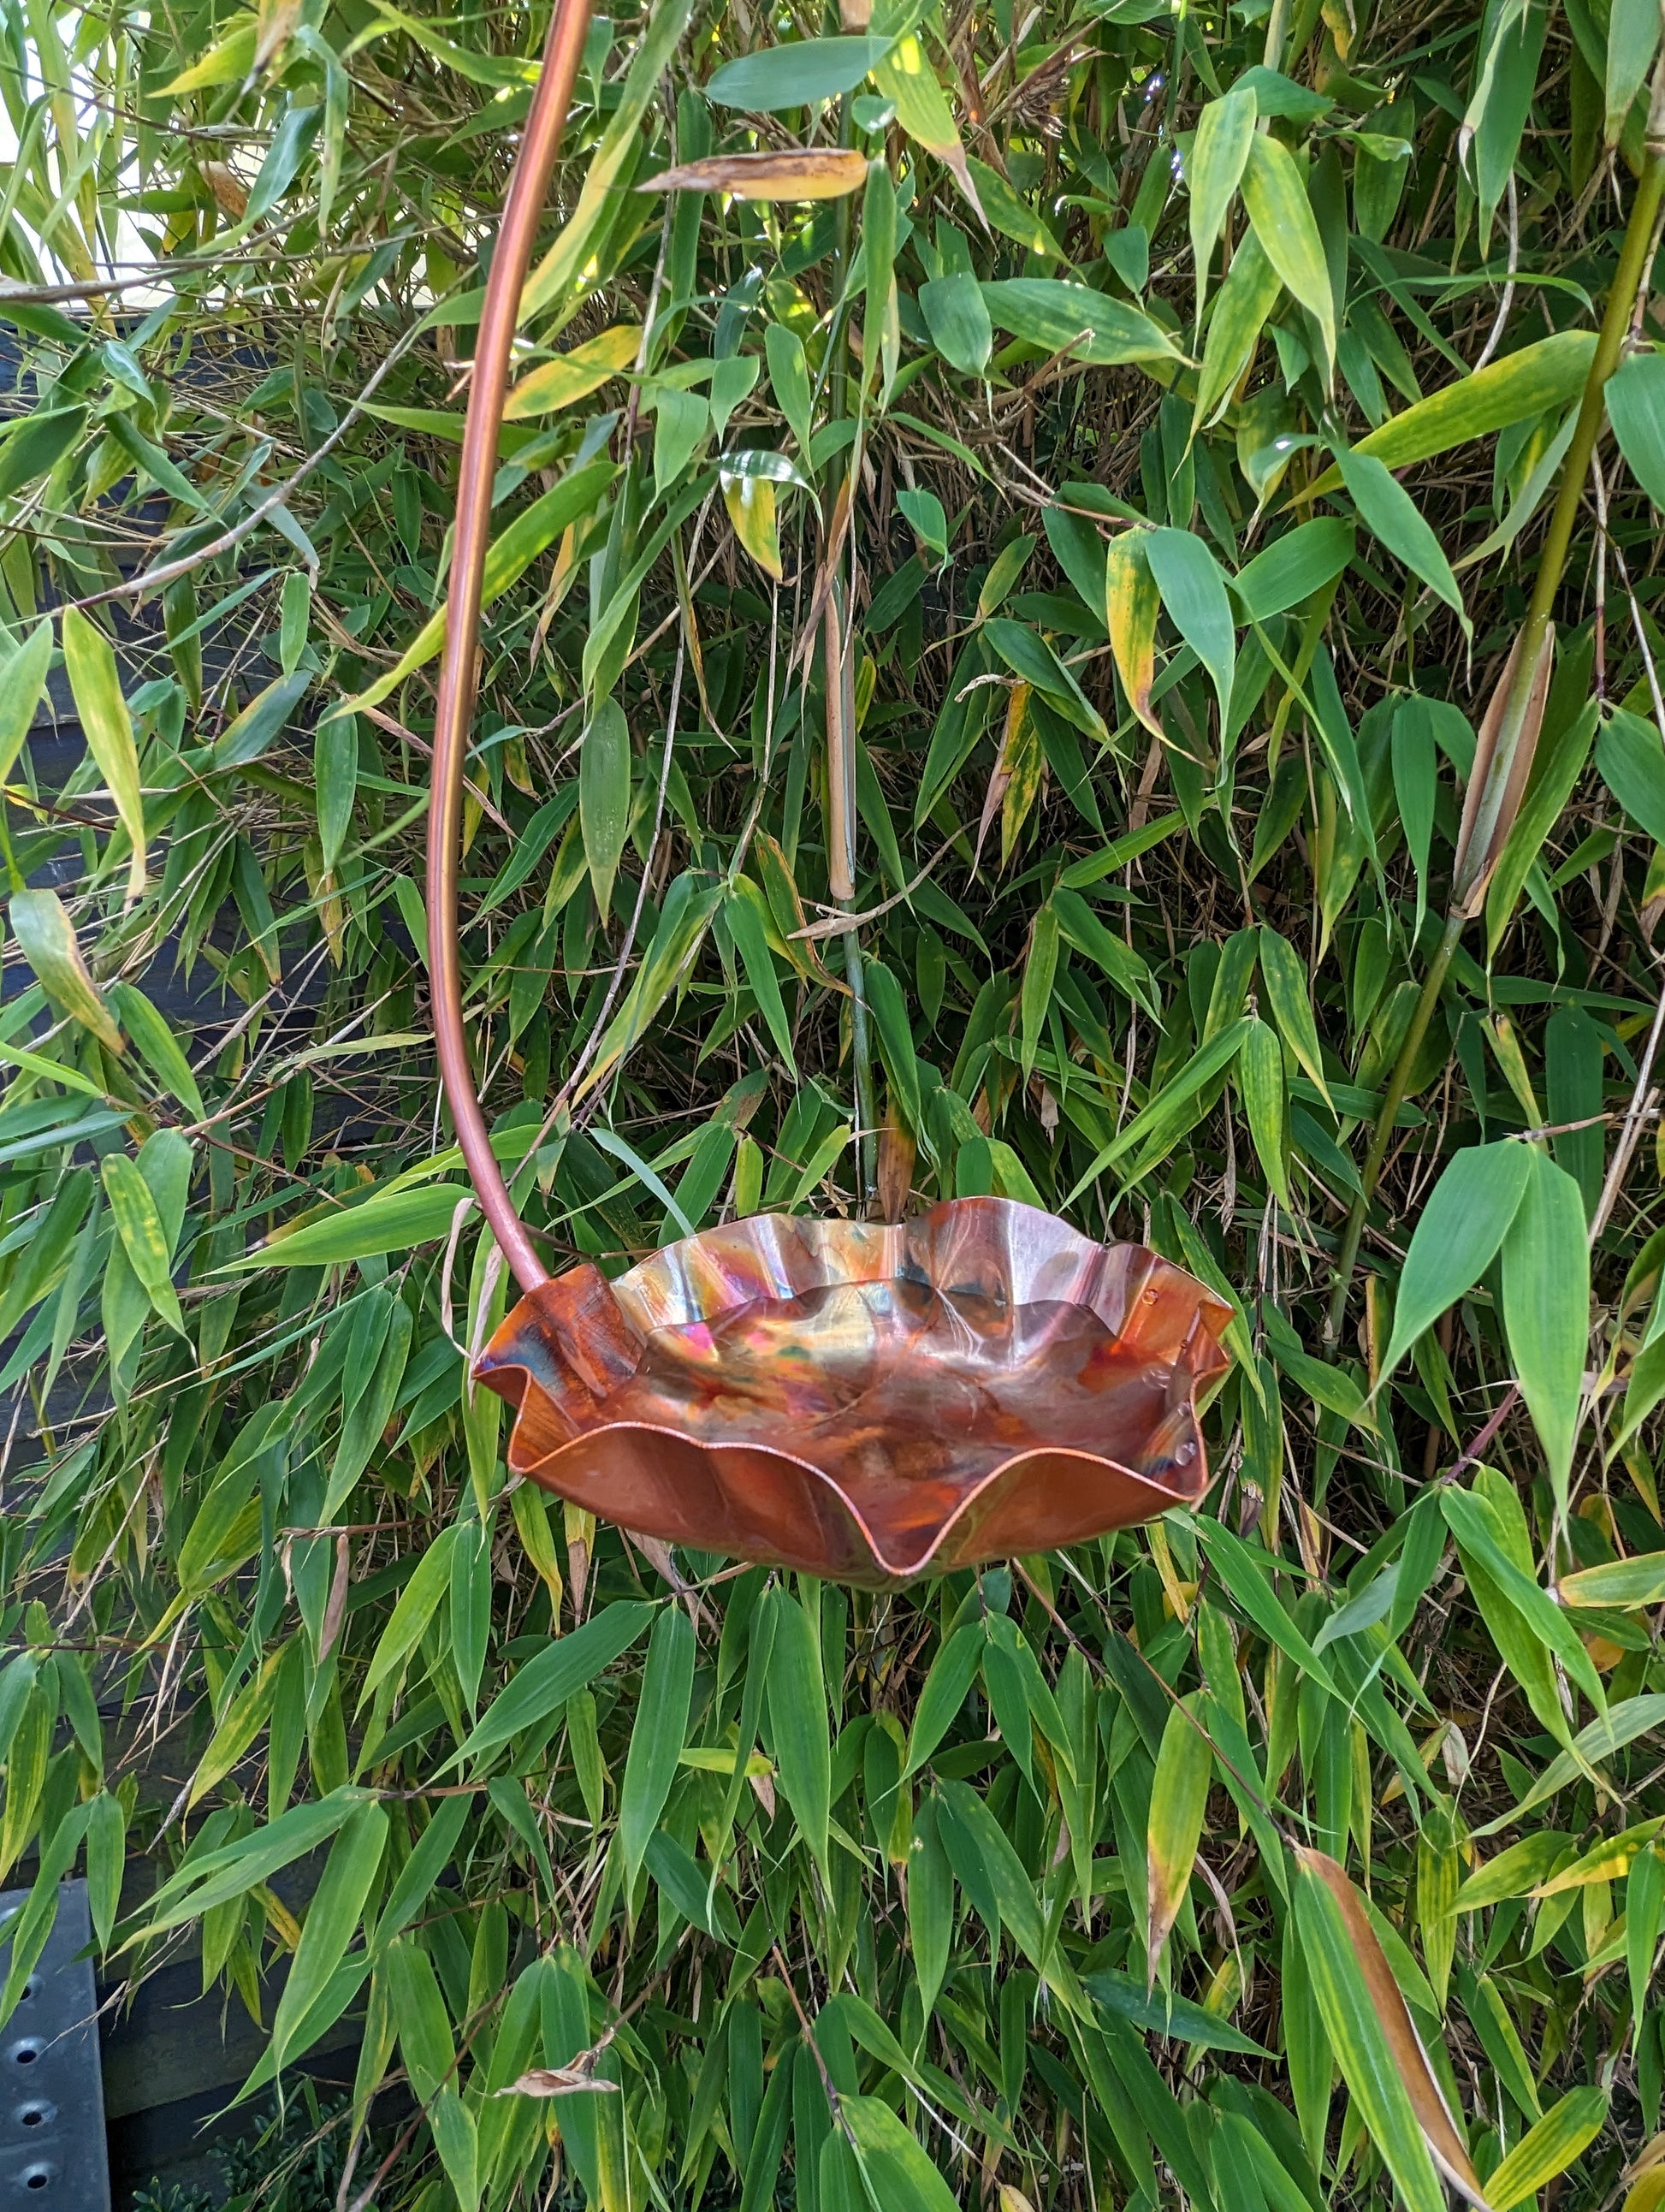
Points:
[[534, 164]]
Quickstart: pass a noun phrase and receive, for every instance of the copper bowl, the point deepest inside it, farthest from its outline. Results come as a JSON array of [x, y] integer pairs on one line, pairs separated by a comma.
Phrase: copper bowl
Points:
[[864, 1401]]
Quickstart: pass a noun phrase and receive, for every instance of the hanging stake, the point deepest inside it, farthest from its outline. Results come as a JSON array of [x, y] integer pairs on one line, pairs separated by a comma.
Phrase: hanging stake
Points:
[[840, 869]]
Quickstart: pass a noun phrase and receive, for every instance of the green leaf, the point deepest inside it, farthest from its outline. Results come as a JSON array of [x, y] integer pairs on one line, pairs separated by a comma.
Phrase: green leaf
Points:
[[660, 1731], [1060, 317], [1242, 306], [332, 1920], [1193, 591], [1518, 388], [335, 771], [1275, 195], [1029, 655], [1035, 998], [544, 1685], [1629, 755], [510, 553], [1608, 1733], [789, 377], [421, 1871], [233, 1869], [1260, 1076], [1160, 2013], [1079, 926], [1632, 42], [905, 76], [604, 796], [388, 1221], [1165, 1118], [1393, 516], [744, 913], [798, 1721], [1460, 1230], [1645, 1910], [1293, 566], [424, 2025], [1248, 1582], [90, 662], [1012, 216], [889, 1006], [35, 443], [106, 1853], [149, 1248], [1291, 998], [22, 681], [942, 1700], [898, 2172], [1480, 1537], [264, 717], [1635, 397], [802, 74], [158, 1046], [990, 1872], [1219, 153], [1545, 1301], [957, 315], [930, 1904]]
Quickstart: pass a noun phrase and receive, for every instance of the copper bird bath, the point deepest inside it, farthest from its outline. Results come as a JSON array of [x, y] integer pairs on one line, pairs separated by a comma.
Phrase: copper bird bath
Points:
[[865, 1401]]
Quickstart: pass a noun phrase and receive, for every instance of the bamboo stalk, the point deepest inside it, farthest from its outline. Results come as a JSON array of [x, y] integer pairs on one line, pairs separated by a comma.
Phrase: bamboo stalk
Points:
[[1492, 822]]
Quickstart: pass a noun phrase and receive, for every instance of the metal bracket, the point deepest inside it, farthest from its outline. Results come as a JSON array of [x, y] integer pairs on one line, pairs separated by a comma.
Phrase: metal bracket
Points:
[[53, 2152]]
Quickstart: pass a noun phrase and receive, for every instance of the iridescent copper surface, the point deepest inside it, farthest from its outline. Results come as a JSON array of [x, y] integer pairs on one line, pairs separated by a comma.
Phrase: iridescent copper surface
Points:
[[868, 1401]]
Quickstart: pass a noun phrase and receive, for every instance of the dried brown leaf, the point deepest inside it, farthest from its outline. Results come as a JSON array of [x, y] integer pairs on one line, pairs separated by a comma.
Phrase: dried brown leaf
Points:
[[800, 172], [1497, 783], [1444, 2138]]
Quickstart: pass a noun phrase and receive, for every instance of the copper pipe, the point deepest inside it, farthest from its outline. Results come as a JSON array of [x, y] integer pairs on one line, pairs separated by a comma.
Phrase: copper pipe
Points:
[[529, 182]]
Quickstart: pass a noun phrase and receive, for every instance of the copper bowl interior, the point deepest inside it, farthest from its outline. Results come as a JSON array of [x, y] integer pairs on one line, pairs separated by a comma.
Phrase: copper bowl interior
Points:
[[867, 1401]]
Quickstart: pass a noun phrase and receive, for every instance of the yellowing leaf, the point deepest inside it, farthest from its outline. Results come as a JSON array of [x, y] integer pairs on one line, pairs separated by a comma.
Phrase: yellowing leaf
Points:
[[906, 76], [1620, 1583], [47, 938], [1517, 389], [1132, 603], [751, 503], [557, 384], [228, 63], [1179, 1799], [1548, 2148], [91, 660], [143, 1238]]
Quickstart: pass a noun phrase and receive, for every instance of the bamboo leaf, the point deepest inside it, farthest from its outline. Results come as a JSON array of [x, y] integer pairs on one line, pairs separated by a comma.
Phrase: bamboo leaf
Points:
[[1375, 2044], [1179, 1801], [657, 1739], [1546, 1284], [1549, 2148], [798, 1721], [802, 74], [1219, 151], [1460, 1232], [1275, 196], [46, 938], [815, 173]]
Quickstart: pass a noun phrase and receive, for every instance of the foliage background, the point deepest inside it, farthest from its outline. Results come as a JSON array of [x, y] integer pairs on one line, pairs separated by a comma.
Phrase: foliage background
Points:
[[1166, 693]]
